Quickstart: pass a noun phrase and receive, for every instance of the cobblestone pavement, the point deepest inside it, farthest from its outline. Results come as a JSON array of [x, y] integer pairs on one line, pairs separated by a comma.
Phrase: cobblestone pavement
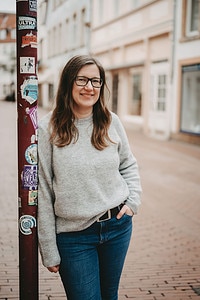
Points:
[[164, 256]]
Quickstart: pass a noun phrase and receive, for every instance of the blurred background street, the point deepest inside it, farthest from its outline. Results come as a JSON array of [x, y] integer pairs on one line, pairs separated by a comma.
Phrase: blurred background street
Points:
[[164, 258]]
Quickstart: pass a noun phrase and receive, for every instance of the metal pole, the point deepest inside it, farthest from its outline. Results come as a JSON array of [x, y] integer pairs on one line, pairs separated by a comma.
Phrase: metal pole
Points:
[[27, 94]]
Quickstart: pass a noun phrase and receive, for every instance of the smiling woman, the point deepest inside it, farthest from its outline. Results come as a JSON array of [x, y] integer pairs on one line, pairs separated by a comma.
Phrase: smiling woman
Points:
[[89, 186]]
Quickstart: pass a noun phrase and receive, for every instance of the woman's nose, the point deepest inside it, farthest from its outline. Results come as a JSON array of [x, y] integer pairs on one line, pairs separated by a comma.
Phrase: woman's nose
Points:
[[89, 85]]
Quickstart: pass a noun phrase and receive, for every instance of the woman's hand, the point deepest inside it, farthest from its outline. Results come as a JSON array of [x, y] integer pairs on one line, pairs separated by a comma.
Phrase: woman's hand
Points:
[[125, 210], [54, 269]]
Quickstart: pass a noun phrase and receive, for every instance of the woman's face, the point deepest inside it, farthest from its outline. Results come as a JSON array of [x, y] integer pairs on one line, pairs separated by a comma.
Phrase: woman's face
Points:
[[85, 96]]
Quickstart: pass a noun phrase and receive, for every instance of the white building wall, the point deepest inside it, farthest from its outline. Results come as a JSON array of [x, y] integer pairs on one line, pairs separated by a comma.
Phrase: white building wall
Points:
[[131, 39]]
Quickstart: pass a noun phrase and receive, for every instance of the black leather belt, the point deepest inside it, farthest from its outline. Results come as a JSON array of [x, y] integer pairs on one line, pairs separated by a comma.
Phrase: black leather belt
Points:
[[110, 213]]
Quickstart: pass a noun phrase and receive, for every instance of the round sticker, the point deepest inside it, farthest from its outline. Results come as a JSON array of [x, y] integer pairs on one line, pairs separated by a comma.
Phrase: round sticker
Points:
[[31, 154], [26, 222]]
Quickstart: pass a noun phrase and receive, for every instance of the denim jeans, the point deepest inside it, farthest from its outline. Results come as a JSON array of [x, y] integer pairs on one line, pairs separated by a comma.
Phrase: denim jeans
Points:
[[92, 259]]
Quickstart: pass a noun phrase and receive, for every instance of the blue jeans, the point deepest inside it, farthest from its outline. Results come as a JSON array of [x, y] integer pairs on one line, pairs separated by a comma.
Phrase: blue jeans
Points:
[[92, 259]]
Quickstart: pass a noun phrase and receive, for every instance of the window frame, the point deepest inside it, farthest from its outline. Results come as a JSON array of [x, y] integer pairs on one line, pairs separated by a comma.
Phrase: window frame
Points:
[[156, 101], [187, 34]]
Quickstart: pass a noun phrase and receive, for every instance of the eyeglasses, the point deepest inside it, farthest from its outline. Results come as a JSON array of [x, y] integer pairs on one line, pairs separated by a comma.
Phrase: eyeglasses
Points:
[[83, 81]]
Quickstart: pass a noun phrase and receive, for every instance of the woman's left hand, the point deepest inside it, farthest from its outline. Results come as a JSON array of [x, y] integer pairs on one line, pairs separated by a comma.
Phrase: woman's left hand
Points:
[[125, 210]]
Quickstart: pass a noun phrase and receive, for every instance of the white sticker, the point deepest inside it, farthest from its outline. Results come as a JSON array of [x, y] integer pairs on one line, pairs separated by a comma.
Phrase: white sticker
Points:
[[25, 22], [27, 65], [26, 222]]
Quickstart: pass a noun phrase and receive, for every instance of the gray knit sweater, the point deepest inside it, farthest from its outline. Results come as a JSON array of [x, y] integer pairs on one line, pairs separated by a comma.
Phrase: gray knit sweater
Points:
[[78, 183]]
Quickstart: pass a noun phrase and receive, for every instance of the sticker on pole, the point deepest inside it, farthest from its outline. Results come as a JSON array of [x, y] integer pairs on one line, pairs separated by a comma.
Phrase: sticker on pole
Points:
[[26, 222], [29, 177], [32, 197], [25, 22], [32, 112], [32, 5], [27, 65], [31, 154], [29, 90], [29, 40]]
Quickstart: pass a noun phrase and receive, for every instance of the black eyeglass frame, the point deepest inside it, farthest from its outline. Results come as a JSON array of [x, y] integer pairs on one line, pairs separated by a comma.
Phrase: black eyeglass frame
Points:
[[87, 80]]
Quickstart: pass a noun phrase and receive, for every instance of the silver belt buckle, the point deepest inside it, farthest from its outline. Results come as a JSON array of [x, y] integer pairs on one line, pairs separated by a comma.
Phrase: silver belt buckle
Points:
[[108, 218]]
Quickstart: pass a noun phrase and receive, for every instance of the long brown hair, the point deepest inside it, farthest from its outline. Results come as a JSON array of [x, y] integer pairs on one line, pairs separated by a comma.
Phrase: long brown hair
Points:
[[62, 123]]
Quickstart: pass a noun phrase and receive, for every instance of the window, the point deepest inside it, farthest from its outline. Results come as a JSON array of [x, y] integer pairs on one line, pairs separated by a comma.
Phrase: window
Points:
[[66, 35], [135, 105], [82, 29], [192, 17], [161, 97], [190, 102], [51, 92], [60, 38], [115, 92], [158, 86], [13, 34], [116, 8], [101, 11], [3, 34], [74, 31], [158, 92]]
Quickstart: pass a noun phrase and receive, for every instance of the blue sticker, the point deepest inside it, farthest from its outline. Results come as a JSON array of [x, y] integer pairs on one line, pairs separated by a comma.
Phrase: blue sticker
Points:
[[29, 90]]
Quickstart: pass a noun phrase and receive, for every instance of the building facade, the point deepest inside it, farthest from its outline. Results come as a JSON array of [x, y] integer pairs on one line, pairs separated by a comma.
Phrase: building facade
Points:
[[149, 48], [133, 41], [64, 29], [7, 56], [186, 72]]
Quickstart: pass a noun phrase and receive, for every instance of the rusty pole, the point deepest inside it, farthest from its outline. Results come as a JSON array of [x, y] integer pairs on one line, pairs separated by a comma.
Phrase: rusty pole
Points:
[[27, 94]]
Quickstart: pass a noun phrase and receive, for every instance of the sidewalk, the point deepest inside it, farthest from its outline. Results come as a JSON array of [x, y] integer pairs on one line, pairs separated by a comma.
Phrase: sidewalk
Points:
[[164, 256]]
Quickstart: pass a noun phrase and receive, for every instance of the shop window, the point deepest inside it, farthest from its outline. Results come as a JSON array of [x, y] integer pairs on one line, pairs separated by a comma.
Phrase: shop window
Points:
[[190, 102]]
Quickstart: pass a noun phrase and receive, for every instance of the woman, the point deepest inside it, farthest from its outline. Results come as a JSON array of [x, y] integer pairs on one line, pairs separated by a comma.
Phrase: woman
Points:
[[89, 186]]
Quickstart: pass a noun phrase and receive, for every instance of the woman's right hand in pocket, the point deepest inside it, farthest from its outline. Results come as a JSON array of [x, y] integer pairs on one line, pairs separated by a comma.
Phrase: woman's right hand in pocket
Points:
[[54, 269]]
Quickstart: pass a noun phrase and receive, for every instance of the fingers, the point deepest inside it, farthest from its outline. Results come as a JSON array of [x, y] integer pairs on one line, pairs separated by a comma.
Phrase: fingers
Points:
[[53, 269], [125, 210]]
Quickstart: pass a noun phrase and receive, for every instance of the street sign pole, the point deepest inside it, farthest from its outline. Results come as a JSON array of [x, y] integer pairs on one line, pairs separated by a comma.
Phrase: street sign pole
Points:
[[27, 94]]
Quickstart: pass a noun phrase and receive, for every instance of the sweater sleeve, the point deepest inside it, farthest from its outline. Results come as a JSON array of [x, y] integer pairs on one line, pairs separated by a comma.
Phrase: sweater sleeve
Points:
[[128, 169], [46, 216]]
